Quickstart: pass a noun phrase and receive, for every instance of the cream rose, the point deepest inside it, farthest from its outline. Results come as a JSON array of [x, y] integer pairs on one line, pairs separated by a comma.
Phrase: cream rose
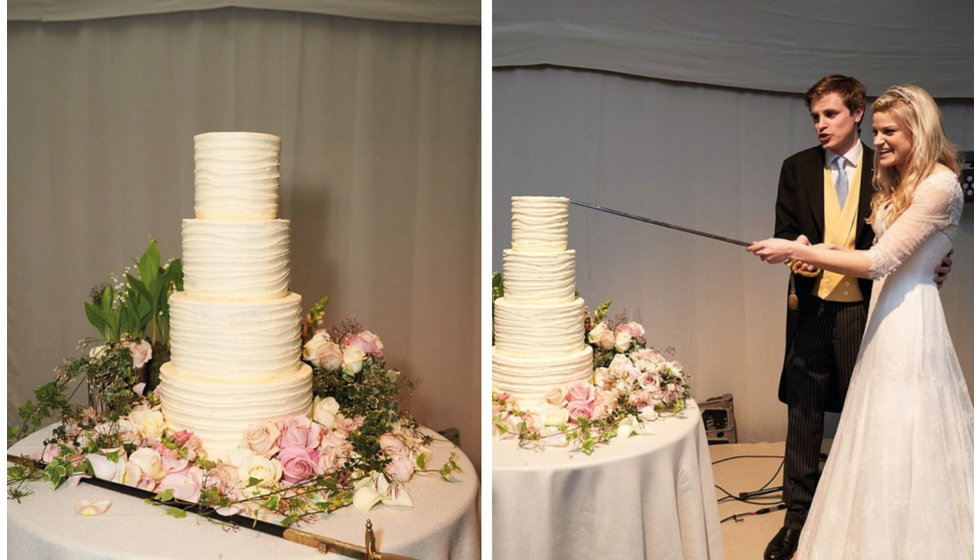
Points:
[[623, 340], [325, 410], [263, 438], [311, 349], [602, 337], [266, 472], [149, 422], [353, 360]]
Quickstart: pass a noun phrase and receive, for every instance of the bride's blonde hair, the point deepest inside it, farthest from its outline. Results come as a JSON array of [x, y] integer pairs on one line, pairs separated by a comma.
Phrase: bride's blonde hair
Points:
[[915, 110]]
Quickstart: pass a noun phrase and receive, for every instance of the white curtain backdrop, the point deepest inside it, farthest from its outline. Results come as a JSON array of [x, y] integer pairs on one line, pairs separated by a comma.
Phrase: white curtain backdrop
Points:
[[694, 155], [769, 45], [380, 124]]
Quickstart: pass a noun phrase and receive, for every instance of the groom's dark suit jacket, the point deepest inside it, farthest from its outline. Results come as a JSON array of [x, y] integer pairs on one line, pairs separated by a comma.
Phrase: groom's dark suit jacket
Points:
[[800, 210]]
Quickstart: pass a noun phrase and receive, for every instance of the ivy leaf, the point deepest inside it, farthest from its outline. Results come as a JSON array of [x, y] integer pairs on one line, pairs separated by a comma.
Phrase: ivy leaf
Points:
[[176, 513], [165, 496], [272, 503]]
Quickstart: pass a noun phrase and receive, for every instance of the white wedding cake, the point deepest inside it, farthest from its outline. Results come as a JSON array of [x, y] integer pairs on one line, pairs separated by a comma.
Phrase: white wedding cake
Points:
[[539, 323], [235, 329]]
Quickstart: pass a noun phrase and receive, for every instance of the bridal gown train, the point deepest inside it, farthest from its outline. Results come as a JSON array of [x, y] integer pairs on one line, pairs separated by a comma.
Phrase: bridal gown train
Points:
[[898, 484]]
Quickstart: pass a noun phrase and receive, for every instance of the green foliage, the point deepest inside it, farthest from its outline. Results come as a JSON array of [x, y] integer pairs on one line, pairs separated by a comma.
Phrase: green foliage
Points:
[[126, 310]]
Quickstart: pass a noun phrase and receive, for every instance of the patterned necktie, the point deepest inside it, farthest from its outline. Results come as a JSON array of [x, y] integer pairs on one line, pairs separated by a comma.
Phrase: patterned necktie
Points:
[[840, 179]]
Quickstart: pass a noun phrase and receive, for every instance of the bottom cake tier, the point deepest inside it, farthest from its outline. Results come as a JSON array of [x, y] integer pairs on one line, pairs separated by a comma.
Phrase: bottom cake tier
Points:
[[219, 411], [528, 379]]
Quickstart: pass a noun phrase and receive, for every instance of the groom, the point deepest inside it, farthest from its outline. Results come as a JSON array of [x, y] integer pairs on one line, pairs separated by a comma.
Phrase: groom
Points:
[[824, 197]]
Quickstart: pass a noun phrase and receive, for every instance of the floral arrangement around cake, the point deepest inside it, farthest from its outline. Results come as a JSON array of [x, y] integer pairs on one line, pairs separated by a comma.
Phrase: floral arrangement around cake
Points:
[[632, 387], [356, 446]]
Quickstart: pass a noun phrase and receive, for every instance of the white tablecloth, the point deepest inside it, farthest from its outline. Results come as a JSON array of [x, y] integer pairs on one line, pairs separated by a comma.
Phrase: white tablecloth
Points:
[[643, 497], [443, 524]]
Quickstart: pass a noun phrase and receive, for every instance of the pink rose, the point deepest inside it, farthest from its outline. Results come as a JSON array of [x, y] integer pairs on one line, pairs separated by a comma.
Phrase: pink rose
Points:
[[621, 366], [392, 445], [141, 352], [348, 425], [400, 469], [50, 452], [330, 356], [579, 409], [298, 464], [367, 341], [299, 431], [581, 391], [635, 329]]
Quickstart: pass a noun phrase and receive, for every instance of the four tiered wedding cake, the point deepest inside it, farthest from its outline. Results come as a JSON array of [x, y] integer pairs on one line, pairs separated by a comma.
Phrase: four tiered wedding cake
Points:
[[235, 329], [539, 328]]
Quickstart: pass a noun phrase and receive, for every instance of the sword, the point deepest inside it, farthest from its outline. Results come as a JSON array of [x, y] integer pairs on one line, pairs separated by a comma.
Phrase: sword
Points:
[[659, 223], [319, 542]]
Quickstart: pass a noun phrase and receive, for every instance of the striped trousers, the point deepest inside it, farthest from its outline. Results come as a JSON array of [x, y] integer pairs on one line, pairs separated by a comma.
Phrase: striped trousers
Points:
[[818, 366]]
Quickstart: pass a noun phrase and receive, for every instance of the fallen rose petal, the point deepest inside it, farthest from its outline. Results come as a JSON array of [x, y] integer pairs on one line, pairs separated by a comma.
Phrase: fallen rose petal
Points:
[[366, 498], [87, 508]]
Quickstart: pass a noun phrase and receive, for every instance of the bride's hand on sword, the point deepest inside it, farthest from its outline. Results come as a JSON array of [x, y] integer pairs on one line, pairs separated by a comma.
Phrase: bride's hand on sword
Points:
[[773, 250]]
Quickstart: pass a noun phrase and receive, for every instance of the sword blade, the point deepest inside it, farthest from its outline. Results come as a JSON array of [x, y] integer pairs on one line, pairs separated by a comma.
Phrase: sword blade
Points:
[[660, 223]]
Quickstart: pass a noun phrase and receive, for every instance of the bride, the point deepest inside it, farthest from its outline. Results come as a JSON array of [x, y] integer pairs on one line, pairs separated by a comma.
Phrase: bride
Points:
[[899, 480]]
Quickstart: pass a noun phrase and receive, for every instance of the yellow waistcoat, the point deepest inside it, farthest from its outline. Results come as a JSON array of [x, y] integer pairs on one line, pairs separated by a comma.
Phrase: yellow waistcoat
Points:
[[840, 228]]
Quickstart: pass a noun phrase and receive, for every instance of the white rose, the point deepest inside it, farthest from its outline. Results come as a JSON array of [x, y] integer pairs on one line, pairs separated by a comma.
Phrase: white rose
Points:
[[353, 360], [325, 411], [149, 422]]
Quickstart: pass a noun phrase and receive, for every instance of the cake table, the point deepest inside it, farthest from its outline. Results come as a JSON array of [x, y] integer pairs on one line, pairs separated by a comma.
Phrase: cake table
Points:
[[642, 497], [442, 525]]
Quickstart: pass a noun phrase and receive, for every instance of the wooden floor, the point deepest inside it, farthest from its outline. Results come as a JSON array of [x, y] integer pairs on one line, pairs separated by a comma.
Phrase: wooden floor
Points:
[[749, 467]]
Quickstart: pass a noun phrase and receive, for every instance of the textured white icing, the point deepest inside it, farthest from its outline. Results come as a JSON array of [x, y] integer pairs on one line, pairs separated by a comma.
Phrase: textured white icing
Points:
[[527, 379], [218, 411], [529, 330], [235, 329], [539, 324], [235, 340], [236, 175], [235, 260], [539, 223], [539, 277]]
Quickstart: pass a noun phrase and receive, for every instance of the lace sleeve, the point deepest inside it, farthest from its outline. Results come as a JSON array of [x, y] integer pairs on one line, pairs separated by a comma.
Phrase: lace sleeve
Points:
[[936, 204]]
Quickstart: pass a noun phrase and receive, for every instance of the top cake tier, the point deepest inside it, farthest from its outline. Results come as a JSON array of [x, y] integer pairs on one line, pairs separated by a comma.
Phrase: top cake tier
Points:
[[539, 224], [236, 176]]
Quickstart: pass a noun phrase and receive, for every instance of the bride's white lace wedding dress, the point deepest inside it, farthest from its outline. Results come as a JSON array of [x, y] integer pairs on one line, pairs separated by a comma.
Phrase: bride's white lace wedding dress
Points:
[[898, 484]]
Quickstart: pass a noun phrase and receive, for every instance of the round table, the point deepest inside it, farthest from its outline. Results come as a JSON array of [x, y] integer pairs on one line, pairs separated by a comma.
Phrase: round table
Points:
[[643, 497], [443, 524]]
